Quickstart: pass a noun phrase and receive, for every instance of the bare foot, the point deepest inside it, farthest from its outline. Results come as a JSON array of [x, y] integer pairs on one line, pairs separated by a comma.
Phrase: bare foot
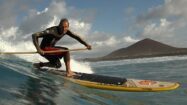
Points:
[[70, 74]]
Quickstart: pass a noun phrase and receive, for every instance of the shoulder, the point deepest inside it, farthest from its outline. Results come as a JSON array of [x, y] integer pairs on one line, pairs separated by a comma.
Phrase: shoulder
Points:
[[51, 29], [69, 32]]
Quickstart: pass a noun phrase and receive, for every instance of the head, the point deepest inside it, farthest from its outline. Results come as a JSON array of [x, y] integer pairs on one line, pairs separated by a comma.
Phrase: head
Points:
[[64, 25]]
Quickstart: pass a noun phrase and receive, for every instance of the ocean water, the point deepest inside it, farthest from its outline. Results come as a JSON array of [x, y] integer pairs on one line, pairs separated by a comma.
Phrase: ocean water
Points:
[[20, 84]]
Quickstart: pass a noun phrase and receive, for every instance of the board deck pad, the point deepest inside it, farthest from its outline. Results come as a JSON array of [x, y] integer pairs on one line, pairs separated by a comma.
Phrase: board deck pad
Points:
[[91, 77], [115, 83], [100, 78]]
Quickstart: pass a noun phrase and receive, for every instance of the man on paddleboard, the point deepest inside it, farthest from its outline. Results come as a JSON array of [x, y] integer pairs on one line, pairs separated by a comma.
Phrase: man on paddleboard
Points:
[[50, 37]]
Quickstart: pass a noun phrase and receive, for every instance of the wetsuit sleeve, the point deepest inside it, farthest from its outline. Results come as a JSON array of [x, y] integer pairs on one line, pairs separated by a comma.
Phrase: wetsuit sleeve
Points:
[[78, 38], [37, 35]]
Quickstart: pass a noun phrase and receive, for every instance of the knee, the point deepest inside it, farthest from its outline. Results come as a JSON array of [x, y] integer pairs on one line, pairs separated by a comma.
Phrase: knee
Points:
[[66, 48], [67, 52]]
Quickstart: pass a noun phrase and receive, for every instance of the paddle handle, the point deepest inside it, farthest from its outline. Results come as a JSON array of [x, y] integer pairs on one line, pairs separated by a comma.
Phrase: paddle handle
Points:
[[46, 52]]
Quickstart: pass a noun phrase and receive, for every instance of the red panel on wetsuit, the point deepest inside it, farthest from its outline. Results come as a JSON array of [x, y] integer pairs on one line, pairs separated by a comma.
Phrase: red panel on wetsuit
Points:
[[53, 49]]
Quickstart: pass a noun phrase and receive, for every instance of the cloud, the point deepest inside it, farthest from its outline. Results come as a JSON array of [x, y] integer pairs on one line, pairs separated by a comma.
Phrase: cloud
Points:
[[167, 10], [162, 29], [10, 9], [10, 32], [129, 39], [80, 27], [104, 43], [37, 20], [8, 15], [165, 22]]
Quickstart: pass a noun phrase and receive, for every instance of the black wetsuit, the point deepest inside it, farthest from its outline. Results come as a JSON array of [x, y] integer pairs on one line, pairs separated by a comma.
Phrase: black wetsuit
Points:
[[50, 37]]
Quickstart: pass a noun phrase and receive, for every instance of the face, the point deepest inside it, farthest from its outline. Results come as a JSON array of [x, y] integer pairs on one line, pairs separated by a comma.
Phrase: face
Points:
[[65, 26]]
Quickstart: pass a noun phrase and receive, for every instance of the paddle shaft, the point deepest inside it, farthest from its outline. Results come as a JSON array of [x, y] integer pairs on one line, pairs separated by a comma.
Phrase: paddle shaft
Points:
[[46, 52]]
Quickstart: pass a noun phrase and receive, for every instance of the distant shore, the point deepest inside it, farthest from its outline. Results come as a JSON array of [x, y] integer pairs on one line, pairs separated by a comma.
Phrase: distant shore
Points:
[[143, 49]]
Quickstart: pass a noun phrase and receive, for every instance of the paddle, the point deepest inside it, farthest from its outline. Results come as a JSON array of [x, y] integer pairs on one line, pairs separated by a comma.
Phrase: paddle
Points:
[[48, 52]]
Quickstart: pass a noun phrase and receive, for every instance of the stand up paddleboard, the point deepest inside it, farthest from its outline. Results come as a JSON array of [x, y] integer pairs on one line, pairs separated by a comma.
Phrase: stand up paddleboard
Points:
[[115, 83]]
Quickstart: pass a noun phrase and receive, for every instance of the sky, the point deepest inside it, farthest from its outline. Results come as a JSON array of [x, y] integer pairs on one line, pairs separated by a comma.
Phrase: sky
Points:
[[107, 25]]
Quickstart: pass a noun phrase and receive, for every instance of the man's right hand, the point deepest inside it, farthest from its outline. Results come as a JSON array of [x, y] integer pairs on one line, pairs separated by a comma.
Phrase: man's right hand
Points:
[[89, 47], [41, 52]]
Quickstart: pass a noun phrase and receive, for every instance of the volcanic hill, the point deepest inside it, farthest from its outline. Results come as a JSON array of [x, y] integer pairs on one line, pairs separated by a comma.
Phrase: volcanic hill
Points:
[[142, 49]]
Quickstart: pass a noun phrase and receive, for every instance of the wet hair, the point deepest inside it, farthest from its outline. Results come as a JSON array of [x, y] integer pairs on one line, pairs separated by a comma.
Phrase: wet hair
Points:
[[63, 20]]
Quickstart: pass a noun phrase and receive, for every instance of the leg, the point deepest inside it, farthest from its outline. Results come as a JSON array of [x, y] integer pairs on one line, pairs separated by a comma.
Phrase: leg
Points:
[[66, 56], [53, 58], [67, 63], [53, 61], [42, 64]]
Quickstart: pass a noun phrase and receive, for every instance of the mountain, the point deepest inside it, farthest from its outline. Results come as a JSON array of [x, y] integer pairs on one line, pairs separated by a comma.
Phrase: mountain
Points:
[[141, 49]]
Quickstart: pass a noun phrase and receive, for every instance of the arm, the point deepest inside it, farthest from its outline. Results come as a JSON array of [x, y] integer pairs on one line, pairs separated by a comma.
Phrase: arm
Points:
[[35, 37], [78, 38]]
